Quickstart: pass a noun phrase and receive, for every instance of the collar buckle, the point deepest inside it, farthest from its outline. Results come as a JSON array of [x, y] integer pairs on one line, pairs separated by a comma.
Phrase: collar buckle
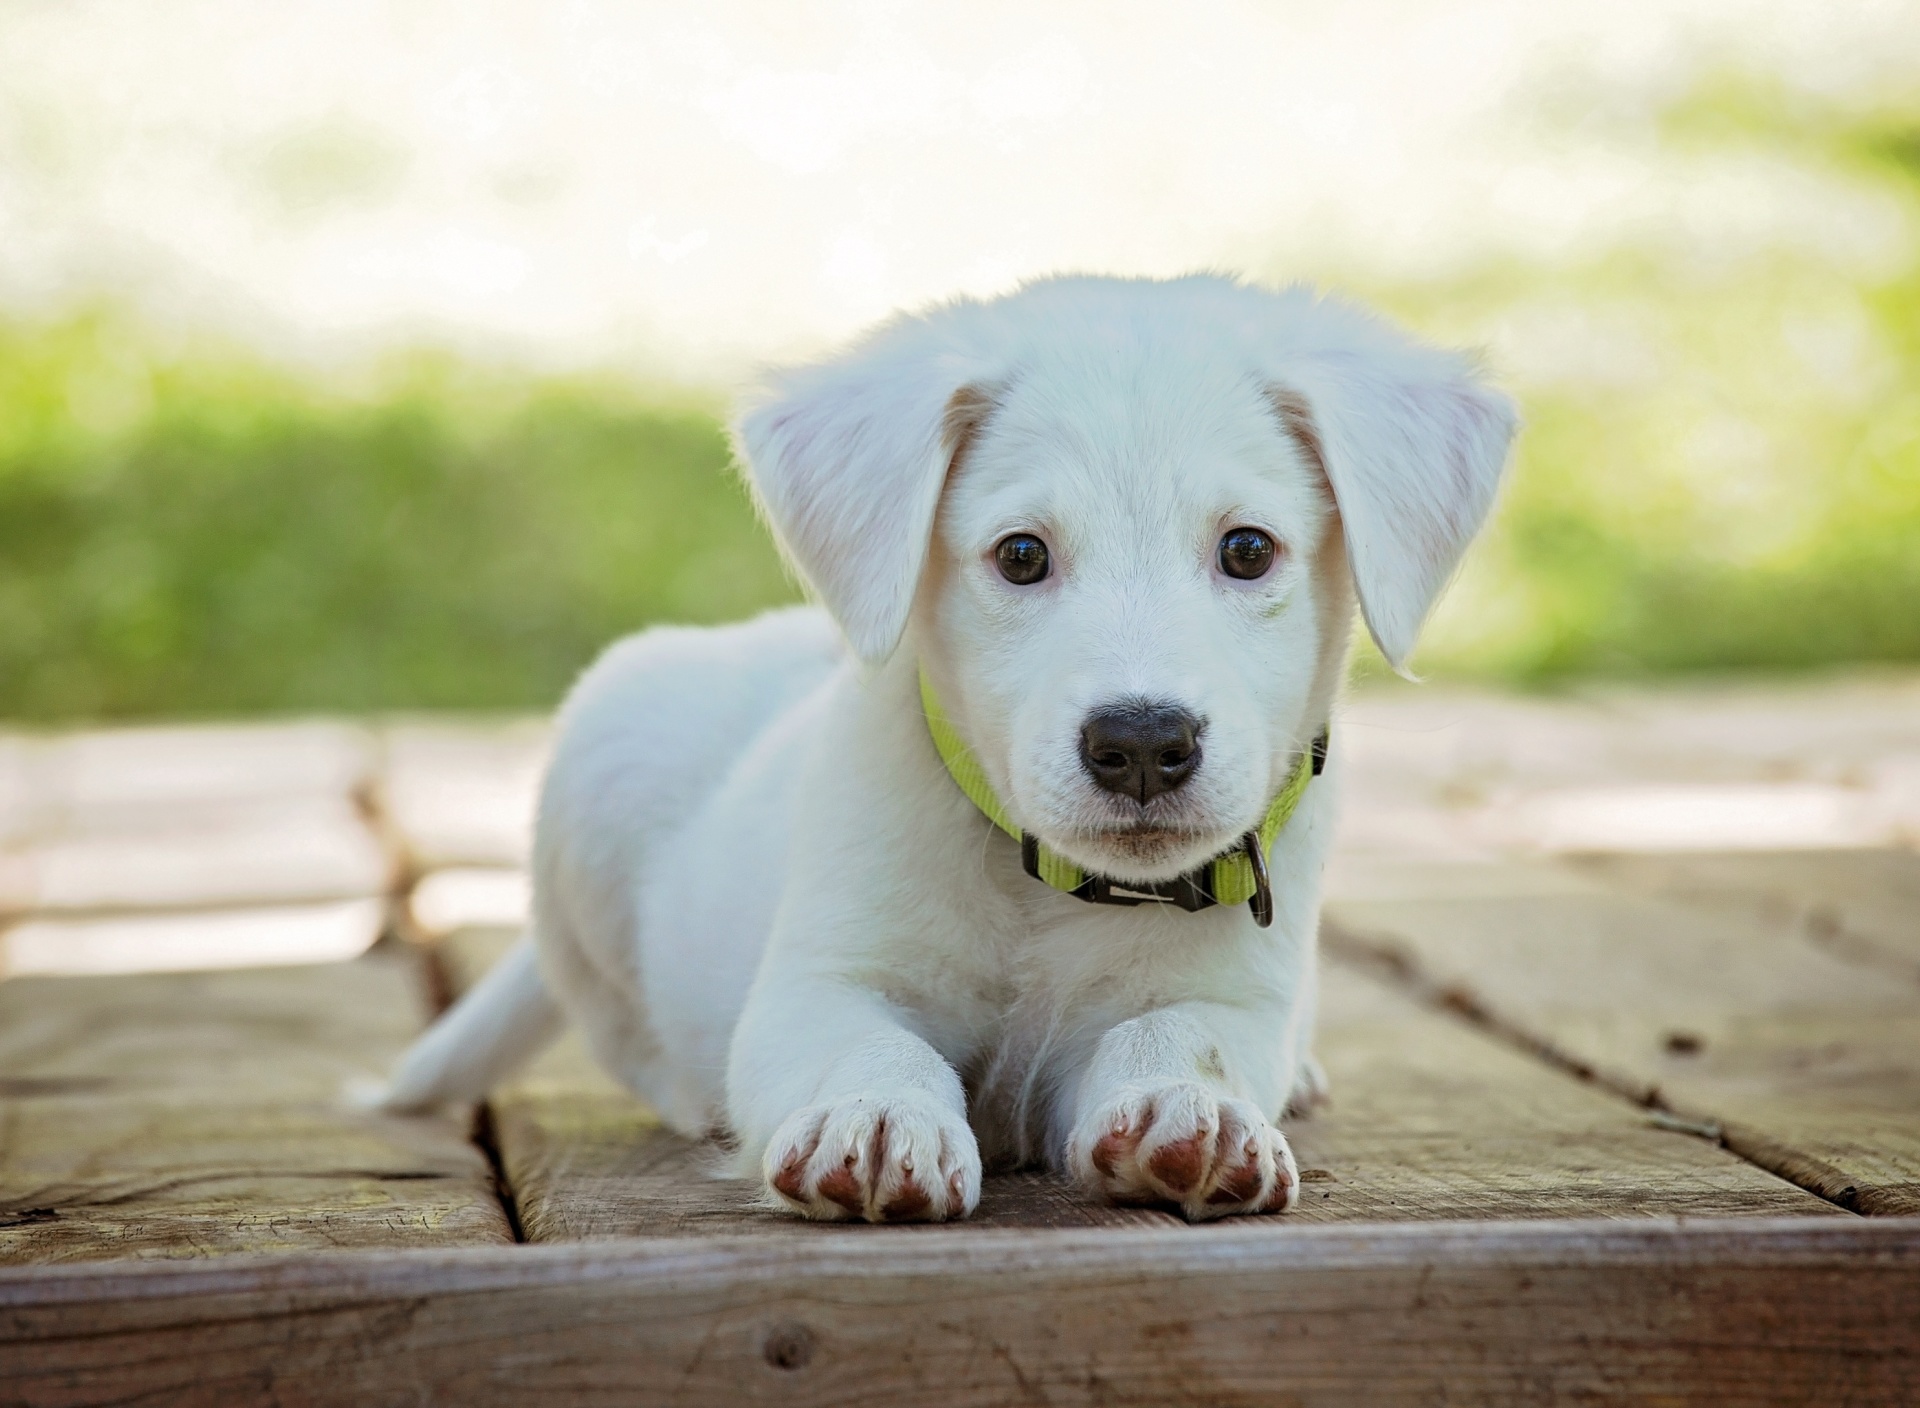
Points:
[[1192, 892]]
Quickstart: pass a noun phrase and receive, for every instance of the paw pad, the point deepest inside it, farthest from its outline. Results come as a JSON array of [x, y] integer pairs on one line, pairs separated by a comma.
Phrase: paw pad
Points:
[[1211, 1156], [863, 1159]]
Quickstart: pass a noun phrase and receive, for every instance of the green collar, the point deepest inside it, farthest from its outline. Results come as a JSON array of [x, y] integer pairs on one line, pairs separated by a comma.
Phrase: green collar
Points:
[[1238, 876]]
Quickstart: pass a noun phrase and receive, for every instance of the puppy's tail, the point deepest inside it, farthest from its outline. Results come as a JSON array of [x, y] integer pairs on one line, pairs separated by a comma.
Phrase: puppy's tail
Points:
[[503, 1020]]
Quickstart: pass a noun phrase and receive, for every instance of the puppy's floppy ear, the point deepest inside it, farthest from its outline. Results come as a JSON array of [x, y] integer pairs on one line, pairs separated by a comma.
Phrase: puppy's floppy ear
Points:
[[1412, 443], [848, 458]]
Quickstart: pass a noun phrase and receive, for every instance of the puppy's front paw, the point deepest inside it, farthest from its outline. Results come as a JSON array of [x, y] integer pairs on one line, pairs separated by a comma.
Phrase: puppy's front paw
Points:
[[883, 1158], [1183, 1144]]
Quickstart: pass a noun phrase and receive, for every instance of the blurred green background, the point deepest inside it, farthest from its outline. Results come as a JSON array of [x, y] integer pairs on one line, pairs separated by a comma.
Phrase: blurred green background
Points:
[[208, 536], [1720, 471]]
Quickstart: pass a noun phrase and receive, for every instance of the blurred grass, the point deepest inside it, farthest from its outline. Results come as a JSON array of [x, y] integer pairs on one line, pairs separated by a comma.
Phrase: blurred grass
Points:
[[1721, 463], [202, 536], [1720, 471]]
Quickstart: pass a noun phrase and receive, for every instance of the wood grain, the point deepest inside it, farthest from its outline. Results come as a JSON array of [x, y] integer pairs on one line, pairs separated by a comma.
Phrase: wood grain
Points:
[[1430, 1120], [190, 1115], [1804, 1062], [463, 794], [1860, 906], [134, 820], [1669, 1312], [280, 850]]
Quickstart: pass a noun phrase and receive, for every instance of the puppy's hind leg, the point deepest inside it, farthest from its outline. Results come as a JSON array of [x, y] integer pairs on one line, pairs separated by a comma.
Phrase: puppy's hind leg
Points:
[[1310, 1089], [503, 1021], [1310, 1085]]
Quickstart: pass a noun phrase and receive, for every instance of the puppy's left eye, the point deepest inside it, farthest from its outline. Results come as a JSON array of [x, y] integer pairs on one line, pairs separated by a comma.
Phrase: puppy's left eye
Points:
[[1246, 553], [1021, 558]]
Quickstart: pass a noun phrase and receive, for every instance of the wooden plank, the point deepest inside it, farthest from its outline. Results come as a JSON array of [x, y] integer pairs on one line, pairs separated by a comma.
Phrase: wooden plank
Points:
[[146, 779], [128, 823], [1806, 1064], [1445, 772], [165, 942], [287, 850], [1267, 1312], [1860, 906], [1444, 737], [466, 897], [463, 794], [197, 1114], [1429, 1120]]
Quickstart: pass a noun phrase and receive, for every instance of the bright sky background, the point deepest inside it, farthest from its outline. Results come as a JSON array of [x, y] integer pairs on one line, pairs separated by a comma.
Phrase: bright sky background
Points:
[[684, 187]]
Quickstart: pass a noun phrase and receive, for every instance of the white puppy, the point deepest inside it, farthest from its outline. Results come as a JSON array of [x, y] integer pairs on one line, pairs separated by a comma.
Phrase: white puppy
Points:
[[1103, 536]]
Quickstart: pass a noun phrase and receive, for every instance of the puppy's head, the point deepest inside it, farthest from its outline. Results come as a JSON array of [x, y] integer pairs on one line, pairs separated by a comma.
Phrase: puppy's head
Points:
[[1122, 524]]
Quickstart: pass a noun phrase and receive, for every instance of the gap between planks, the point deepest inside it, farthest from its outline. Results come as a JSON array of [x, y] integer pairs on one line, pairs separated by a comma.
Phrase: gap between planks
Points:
[[1693, 987], [438, 983]]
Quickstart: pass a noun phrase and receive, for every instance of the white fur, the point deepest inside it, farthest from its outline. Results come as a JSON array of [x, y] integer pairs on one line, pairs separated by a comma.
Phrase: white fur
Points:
[[769, 908]]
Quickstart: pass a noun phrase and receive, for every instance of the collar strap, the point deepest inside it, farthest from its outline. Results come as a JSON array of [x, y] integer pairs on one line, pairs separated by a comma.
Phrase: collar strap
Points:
[[1238, 876]]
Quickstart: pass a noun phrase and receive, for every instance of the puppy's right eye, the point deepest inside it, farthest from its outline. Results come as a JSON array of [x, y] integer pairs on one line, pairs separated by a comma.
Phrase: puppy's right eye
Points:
[[1246, 553], [1021, 558]]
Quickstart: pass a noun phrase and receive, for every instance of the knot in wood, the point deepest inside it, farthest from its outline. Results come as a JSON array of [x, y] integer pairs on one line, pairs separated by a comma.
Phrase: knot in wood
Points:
[[789, 1346]]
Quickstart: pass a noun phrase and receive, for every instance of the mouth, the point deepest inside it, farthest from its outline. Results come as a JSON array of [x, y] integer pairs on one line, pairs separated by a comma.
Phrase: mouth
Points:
[[1153, 848], [1124, 840]]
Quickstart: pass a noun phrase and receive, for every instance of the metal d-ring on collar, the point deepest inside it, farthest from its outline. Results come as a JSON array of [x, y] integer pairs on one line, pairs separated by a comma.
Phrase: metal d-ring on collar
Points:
[[1262, 902]]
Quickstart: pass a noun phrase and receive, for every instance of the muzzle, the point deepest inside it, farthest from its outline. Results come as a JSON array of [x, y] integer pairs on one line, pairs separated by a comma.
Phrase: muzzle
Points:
[[1236, 876]]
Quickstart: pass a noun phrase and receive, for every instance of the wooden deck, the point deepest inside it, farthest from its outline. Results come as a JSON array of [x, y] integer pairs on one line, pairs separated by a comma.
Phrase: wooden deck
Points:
[[1622, 1016]]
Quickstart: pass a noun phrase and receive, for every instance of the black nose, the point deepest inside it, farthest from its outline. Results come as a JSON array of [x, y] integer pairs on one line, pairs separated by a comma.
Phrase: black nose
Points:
[[1140, 749]]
